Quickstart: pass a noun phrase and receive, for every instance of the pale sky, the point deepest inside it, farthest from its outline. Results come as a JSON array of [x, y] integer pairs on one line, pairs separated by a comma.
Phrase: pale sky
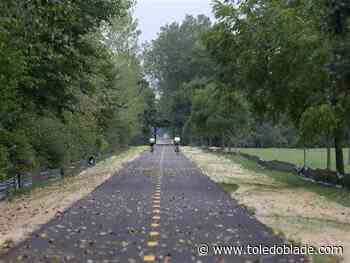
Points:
[[152, 14]]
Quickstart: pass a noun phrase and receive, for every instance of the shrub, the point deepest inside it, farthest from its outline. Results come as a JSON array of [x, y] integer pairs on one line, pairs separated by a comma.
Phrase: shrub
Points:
[[49, 140], [346, 181], [18, 156], [4, 162]]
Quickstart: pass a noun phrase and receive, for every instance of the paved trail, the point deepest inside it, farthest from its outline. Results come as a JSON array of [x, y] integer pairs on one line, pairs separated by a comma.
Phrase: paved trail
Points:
[[158, 209]]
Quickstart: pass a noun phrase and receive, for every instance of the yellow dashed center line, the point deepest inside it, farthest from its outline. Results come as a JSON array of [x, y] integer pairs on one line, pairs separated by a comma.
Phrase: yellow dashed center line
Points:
[[156, 215], [149, 258], [152, 243], [154, 234]]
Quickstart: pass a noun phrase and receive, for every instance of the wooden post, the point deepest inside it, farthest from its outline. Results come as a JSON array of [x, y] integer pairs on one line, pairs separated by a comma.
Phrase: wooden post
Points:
[[328, 157], [349, 146], [19, 183]]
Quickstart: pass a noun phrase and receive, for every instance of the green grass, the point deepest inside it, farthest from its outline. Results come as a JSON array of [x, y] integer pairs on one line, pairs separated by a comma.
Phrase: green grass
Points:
[[315, 158], [294, 181], [291, 180]]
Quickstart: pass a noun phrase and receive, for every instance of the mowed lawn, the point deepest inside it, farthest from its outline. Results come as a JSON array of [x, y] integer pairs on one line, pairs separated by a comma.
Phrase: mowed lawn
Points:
[[315, 158]]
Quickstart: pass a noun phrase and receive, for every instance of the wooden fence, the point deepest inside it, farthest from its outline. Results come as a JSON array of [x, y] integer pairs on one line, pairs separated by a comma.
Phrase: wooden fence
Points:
[[28, 180]]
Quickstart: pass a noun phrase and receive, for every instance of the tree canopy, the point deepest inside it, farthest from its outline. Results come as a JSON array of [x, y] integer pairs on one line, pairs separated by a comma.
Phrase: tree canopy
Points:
[[71, 81]]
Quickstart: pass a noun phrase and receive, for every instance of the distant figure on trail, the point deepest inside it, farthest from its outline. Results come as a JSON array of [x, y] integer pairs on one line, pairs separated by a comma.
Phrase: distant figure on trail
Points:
[[92, 161], [152, 141], [177, 141]]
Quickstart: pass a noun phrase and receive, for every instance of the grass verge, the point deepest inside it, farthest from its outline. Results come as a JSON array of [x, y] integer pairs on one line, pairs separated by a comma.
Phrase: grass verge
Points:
[[341, 196], [315, 158], [298, 210]]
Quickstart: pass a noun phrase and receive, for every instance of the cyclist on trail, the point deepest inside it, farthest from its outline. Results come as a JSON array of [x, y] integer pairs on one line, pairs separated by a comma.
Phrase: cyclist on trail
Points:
[[152, 141], [177, 141]]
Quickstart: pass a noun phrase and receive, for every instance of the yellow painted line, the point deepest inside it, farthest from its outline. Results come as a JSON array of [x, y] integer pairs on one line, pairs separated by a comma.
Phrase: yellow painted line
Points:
[[149, 258], [154, 234], [156, 218], [154, 225], [152, 243]]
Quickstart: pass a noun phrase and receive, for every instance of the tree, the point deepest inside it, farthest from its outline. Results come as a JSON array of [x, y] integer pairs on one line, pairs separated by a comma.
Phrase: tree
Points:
[[178, 56], [336, 26], [277, 54], [319, 122], [70, 81]]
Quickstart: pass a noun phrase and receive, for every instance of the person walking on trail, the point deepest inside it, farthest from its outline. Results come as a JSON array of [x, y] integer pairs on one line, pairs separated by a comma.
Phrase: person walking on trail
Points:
[[152, 141], [92, 160], [177, 141]]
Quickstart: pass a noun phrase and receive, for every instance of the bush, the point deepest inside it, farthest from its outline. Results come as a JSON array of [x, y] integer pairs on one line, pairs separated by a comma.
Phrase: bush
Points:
[[22, 154], [48, 139], [17, 154], [346, 181], [4, 162]]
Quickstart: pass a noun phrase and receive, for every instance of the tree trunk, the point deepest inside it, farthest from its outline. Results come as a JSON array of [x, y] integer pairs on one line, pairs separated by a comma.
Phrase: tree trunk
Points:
[[304, 157], [328, 157], [349, 146], [19, 181], [223, 143], [155, 134], [339, 159]]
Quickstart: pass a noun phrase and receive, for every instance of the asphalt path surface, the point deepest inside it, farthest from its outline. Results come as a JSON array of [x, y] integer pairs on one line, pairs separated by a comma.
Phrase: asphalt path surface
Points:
[[158, 208]]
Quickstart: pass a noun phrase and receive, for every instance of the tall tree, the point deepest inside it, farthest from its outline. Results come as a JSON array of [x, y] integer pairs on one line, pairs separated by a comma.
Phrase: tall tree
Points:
[[175, 58], [277, 53]]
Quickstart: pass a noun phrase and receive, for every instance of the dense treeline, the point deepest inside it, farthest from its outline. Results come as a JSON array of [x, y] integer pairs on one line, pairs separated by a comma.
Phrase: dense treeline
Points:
[[195, 99], [265, 67], [71, 82]]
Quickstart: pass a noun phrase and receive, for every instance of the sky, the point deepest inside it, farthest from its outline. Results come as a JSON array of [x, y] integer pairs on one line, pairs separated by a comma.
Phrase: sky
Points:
[[153, 14]]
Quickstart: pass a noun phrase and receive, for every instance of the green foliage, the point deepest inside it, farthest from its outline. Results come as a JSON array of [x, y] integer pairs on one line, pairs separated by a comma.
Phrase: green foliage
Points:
[[290, 59], [218, 111], [4, 162], [318, 121], [71, 82], [177, 57], [20, 153]]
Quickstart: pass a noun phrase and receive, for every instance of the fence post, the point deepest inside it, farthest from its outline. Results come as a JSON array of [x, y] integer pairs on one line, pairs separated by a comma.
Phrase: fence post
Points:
[[19, 183]]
